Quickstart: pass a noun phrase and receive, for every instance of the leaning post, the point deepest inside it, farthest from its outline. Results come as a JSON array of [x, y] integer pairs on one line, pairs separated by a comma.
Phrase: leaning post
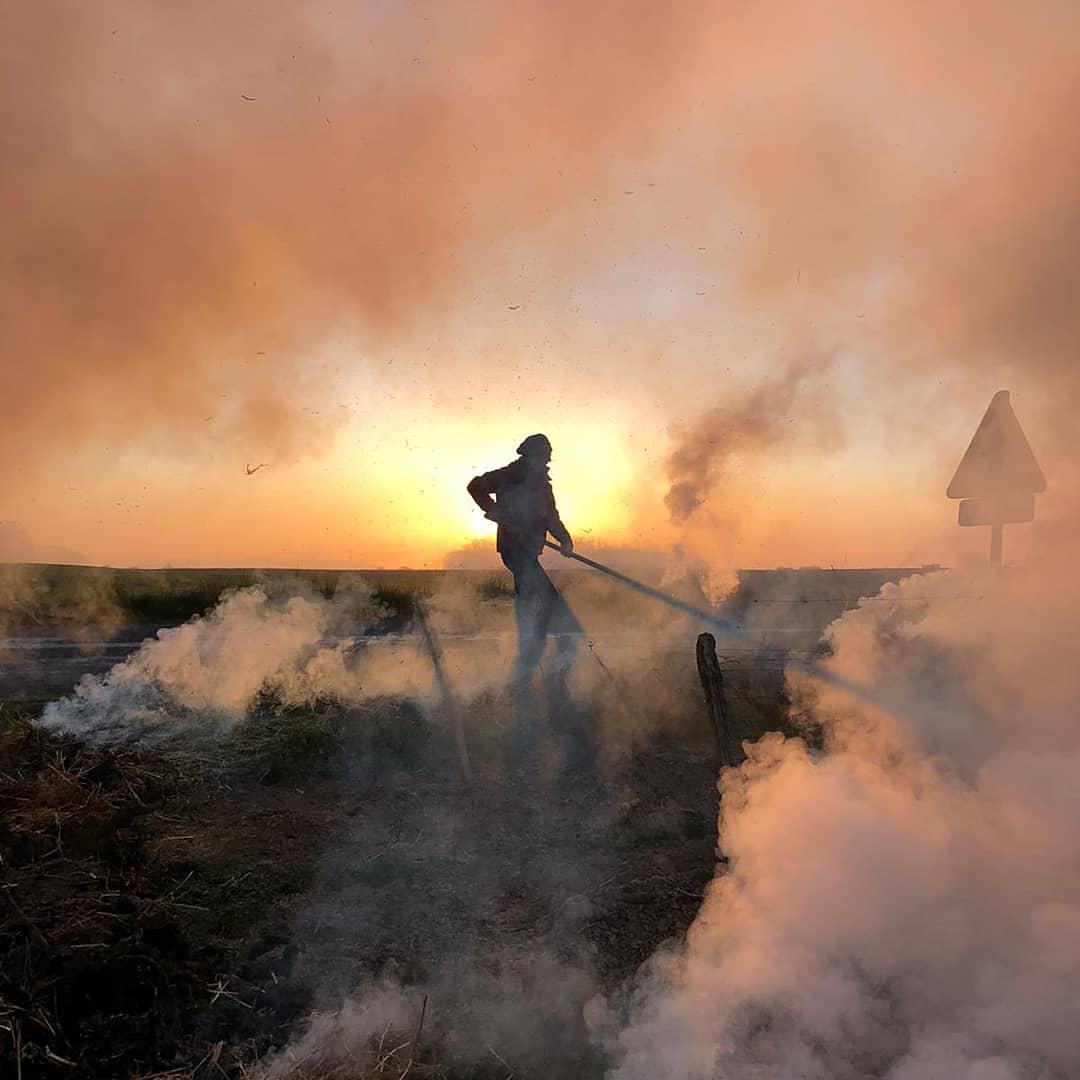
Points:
[[450, 706], [712, 685]]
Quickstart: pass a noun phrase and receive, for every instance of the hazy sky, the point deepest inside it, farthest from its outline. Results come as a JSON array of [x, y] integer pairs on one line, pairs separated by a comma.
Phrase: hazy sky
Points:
[[779, 256]]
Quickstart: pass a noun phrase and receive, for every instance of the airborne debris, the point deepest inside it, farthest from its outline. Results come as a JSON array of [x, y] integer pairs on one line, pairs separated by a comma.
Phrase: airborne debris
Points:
[[255, 468]]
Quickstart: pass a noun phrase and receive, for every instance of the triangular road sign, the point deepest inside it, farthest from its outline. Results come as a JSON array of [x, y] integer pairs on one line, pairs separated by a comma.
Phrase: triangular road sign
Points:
[[999, 461]]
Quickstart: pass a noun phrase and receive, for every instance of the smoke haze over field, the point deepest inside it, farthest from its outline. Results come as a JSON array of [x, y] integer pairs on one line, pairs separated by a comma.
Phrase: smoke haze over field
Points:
[[206, 675], [903, 904], [308, 238]]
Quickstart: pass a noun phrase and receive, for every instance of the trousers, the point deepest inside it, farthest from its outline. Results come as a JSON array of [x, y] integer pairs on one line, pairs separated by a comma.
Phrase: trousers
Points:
[[542, 614]]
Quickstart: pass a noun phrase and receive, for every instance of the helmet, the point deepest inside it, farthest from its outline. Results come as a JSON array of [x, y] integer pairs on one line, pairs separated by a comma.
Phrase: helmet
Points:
[[535, 444]]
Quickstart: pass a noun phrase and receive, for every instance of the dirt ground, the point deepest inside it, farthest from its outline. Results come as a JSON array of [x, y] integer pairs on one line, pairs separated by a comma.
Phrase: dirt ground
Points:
[[180, 910]]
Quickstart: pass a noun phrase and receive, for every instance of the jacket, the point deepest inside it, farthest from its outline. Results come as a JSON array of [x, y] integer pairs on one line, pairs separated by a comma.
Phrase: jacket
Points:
[[523, 506]]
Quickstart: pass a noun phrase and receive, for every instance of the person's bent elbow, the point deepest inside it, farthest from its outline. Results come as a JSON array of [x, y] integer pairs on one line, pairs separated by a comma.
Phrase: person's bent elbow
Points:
[[480, 495]]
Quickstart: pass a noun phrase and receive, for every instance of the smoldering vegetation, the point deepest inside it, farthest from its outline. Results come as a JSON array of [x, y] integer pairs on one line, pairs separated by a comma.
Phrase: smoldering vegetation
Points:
[[309, 864], [287, 641], [59, 621], [898, 896], [295, 839], [213, 666], [151, 641]]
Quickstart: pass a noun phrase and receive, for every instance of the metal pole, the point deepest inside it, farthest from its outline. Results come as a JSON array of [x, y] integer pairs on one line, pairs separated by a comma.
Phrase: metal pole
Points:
[[734, 630], [706, 616], [996, 536]]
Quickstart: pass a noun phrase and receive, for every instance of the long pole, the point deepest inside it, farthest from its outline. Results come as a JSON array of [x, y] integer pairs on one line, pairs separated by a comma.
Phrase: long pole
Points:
[[996, 535], [732, 629], [699, 613]]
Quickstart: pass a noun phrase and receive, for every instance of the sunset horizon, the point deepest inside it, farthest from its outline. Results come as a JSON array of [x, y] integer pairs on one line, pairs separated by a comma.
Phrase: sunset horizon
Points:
[[757, 287]]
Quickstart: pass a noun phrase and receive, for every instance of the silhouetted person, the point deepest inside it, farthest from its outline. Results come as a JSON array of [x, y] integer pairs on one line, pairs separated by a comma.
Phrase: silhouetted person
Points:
[[519, 499]]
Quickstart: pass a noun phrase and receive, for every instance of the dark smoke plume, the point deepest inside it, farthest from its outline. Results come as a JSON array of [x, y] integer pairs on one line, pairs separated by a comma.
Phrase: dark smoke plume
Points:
[[901, 189], [776, 411], [894, 188]]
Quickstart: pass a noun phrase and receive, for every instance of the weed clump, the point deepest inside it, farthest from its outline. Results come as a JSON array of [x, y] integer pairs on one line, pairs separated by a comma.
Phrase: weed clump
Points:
[[277, 743]]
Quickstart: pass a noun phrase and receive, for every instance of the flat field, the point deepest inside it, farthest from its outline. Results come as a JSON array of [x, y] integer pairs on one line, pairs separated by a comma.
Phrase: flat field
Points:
[[182, 906]]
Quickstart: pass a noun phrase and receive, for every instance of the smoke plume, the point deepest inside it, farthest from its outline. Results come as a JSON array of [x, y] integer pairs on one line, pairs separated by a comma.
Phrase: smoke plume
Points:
[[511, 1007], [903, 197], [207, 674], [906, 904], [780, 410]]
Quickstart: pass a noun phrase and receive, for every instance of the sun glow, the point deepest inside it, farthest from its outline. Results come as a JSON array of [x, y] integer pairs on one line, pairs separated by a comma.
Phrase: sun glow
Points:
[[420, 479]]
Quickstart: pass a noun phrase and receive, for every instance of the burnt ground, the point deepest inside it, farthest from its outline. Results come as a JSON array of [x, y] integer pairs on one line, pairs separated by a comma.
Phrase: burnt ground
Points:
[[181, 909]]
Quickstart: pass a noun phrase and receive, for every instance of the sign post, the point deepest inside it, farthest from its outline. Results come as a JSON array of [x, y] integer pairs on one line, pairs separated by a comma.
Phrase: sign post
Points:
[[998, 477]]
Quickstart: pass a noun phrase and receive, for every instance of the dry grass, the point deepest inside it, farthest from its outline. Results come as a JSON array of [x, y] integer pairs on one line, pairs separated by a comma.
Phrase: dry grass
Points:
[[43, 595], [126, 883], [72, 894]]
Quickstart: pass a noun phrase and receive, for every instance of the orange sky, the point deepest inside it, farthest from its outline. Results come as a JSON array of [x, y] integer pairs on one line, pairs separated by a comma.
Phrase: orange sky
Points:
[[375, 248]]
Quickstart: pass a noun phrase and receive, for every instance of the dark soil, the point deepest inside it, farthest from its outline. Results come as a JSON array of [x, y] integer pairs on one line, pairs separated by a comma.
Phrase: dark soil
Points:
[[180, 910]]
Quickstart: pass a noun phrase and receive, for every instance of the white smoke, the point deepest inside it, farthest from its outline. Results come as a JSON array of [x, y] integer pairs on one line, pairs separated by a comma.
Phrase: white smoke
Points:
[[301, 648], [518, 1008], [907, 904], [356, 1032]]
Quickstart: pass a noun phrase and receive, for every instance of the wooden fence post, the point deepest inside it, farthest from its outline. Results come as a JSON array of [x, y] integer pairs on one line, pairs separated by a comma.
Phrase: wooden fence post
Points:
[[450, 706], [712, 683]]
